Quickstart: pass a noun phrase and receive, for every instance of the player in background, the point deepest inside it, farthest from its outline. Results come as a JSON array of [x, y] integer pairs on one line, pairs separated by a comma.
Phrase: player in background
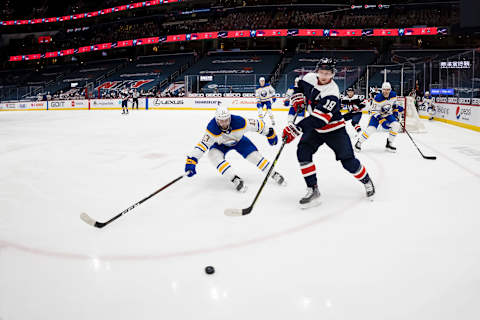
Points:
[[135, 95], [427, 102], [265, 95], [286, 103], [385, 112], [325, 124], [352, 103], [124, 96], [226, 132]]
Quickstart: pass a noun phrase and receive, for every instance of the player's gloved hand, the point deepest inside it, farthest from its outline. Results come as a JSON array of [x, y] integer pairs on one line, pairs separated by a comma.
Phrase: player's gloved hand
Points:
[[291, 132], [298, 102], [272, 137], [190, 166]]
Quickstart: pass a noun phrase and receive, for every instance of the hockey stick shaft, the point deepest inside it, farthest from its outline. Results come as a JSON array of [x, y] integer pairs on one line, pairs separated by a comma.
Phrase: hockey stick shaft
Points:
[[97, 224], [408, 134], [237, 212]]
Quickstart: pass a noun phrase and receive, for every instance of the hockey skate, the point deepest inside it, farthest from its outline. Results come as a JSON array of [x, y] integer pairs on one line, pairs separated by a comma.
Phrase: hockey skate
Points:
[[311, 199], [389, 147], [279, 179], [369, 187], [239, 184], [358, 146]]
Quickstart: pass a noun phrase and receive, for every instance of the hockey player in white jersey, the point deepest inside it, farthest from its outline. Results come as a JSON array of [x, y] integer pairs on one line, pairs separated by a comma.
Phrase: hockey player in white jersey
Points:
[[385, 112], [265, 95], [427, 102], [226, 132]]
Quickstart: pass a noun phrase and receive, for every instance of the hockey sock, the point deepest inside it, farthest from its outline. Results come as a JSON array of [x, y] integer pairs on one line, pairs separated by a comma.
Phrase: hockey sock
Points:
[[226, 170], [367, 133], [260, 162], [394, 128], [309, 173], [260, 112]]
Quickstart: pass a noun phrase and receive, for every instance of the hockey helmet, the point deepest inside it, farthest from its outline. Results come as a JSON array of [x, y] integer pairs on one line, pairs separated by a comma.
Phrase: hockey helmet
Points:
[[326, 64], [223, 117]]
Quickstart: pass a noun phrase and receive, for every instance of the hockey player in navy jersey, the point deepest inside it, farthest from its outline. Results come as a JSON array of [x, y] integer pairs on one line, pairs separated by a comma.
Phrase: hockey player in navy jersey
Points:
[[385, 112], [265, 95], [325, 124], [352, 103], [225, 133]]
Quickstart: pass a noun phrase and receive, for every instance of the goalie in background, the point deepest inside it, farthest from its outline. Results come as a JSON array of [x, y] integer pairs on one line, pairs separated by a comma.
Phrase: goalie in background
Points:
[[225, 133], [385, 112]]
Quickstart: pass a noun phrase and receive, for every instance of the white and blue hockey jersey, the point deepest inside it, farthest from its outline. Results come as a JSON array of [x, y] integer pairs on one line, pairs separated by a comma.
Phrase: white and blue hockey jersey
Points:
[[238, 127], [265, 93], [383, 107]]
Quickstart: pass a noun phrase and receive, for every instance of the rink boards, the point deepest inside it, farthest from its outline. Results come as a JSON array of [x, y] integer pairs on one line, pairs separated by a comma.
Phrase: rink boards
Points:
[[463, 115]]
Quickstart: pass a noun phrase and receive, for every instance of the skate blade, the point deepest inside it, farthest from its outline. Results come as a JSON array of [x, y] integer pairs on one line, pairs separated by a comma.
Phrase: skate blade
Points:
[[391, 151], [371, 198], [309, 205]]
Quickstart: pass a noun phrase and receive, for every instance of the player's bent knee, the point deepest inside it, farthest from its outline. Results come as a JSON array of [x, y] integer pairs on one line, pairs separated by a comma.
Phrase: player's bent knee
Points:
[[305, 152], [351, 164], [215, 156], [395, 126]]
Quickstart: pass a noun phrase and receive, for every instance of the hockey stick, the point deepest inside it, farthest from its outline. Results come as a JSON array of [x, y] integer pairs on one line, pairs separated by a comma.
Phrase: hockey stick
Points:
[[85, 217], [241, 212], [424, 156]]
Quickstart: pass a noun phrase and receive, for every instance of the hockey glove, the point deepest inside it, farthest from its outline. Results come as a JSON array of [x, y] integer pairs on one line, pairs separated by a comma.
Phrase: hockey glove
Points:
[[298, 102], [272, 137], [190, 166], [291, 132]]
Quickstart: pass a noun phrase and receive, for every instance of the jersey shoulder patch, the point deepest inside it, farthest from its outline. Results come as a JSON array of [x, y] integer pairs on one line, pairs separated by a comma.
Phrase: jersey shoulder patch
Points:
[[311, 78], [213, 128], [379, 97], [238, 122], [330, 89]]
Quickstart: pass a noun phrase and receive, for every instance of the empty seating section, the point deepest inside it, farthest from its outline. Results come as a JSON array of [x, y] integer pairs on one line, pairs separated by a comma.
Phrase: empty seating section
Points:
[[147, 72], [236, 72], [351, 65]]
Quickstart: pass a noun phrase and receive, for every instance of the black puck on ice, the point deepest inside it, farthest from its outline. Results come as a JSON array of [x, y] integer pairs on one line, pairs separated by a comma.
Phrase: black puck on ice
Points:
[[209, 270]]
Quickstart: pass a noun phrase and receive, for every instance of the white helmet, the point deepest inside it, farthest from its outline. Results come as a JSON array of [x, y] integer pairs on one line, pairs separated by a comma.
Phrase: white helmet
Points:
[[261, 79], [223, 117], [386, 86], [427, 93]]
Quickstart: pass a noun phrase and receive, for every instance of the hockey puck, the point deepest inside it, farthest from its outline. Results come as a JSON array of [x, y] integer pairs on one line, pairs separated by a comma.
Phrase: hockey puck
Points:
[[210, 270]]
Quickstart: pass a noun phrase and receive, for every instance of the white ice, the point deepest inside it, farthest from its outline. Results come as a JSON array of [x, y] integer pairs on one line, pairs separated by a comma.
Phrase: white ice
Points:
[[413, 253]]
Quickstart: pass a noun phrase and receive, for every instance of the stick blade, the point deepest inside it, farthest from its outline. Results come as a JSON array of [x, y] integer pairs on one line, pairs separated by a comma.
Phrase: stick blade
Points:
[[238, 212], [233, 212], [85, 217], [430, 157]]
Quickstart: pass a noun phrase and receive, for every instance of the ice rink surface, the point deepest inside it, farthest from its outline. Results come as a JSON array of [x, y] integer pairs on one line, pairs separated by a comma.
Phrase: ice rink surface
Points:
[[413, 253]]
